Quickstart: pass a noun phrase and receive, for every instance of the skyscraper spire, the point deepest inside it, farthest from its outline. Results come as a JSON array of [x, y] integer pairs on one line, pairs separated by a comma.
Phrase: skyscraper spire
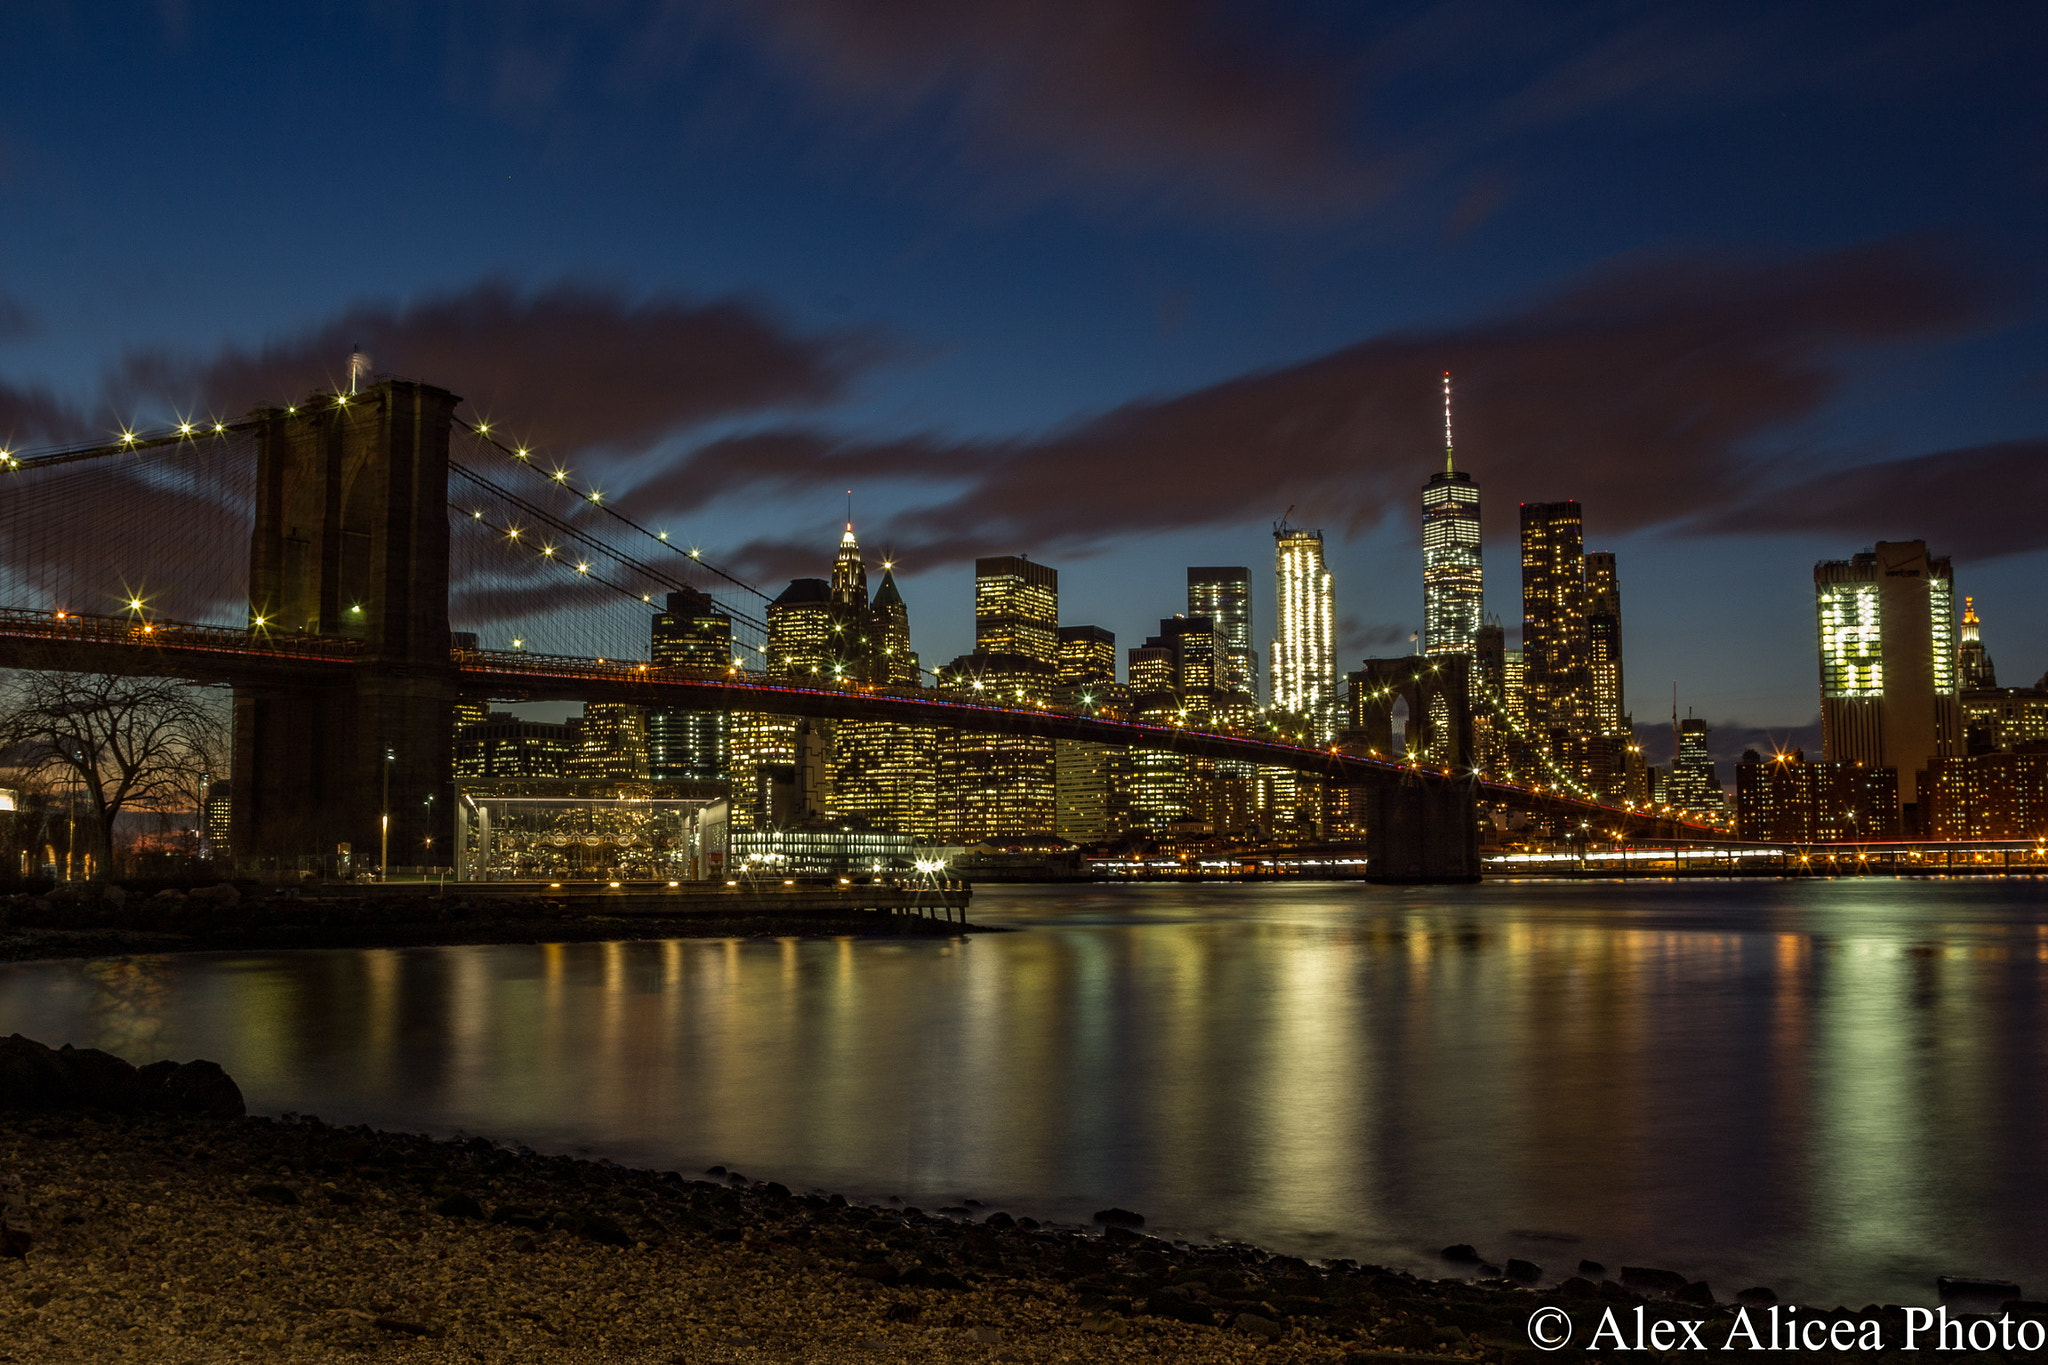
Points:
[[849, 574], [1449, 468], [1452, 587]]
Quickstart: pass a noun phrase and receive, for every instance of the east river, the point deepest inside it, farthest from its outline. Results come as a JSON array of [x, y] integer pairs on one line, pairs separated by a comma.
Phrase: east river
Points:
[[1836, 1088]]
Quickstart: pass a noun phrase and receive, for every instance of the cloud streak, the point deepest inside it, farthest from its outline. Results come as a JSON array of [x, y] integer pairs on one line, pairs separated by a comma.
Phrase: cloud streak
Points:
[[1120, 94], [1646, 391], [579, 365]]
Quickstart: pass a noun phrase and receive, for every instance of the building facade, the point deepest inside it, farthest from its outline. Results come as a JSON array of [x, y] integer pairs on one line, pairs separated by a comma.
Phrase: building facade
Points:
[[1304, 645], [1453, 585], [996, 786], [1223, 594], [1988, 796], [506, 746], [1556, 664], [611, 745], [1091, 782], [1694, 783], [1017, 609], [1888, 663], [1783, 798], [884, 774], [689, 746]]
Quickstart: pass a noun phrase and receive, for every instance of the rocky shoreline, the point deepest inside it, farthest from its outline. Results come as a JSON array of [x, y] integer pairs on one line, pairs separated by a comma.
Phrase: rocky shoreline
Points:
[[106, 921], [140, 1229]]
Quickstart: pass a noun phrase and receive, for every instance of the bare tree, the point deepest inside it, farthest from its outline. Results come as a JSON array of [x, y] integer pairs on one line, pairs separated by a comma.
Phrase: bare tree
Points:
[[124, 743]]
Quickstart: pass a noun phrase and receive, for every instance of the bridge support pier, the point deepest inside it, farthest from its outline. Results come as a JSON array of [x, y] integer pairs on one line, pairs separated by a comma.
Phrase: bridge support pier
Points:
[[351, 540], [1422, 832]]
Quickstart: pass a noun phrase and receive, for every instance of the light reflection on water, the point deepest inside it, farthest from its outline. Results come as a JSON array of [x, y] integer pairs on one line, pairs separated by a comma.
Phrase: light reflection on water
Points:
[[1833, 1087]]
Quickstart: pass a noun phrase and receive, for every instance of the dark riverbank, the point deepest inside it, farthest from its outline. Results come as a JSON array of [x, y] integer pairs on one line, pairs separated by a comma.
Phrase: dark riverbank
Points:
[[85, 921], [179, 1236]]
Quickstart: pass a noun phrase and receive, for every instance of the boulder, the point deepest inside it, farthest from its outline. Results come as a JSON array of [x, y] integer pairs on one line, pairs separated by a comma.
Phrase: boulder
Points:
[[1254, 1325], [203, 1089], [100, 1080], [1653, 1280], [1119, 1218], [1460, 1252], [31, 1077], [1528, 1272]]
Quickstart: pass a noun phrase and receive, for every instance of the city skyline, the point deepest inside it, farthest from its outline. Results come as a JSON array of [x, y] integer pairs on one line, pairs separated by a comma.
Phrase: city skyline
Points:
[[738, 311]]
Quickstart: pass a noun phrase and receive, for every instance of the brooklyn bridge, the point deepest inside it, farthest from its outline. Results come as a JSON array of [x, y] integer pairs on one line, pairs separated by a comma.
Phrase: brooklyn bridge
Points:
[[357, 564]]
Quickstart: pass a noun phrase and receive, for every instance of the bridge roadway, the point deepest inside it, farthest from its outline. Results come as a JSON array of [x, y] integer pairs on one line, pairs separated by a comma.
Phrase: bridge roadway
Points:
[[216, 654]]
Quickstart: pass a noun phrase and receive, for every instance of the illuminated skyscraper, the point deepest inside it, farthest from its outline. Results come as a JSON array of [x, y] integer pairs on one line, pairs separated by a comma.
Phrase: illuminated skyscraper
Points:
[[1087, 655], [882, 771], [891, 660], [849, 574], [1453, 592], [1694, 785], [1974, 668], [1224, 595], [775, 763], [1304, 654], [689, 746], [1603, 644], [1888, 663], [996, 786], [612, 746], [1017, 609], [1556, 688], [1091, 782]]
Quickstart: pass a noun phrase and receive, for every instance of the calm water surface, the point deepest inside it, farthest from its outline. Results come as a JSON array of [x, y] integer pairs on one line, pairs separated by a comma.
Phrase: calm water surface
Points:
[[1836, 1088]]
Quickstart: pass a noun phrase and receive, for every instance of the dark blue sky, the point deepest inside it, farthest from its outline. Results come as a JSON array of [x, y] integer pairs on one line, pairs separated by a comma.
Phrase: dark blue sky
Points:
[[1112, 284]]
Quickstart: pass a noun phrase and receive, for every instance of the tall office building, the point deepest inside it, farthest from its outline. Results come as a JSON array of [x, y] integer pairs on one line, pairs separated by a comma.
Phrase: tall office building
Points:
[[613, 743], [1612, 755], [1087, 655], [882, 771], [996, 786], [1974, 670], [506, 746], [891, 660], [689, 746], [1556, 686], [1888, 663], [1603, 645], [1453, 591], [1017, 609], [1305, 651], [774, 762], [1694, 785], [805, 631], [1224, 595], [1175, 679], [1090, 781], [849, 574]]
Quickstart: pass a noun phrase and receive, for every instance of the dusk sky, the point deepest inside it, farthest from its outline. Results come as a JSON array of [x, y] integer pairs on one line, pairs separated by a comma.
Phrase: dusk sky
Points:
[[1110, 283]]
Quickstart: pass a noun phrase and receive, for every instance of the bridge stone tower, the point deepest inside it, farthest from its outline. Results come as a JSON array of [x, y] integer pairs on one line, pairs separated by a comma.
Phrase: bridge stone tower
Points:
[[351, 540], [1419, 830]]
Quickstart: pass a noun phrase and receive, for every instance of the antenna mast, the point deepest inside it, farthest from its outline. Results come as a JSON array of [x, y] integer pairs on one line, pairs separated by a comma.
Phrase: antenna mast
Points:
[[1449, 468]]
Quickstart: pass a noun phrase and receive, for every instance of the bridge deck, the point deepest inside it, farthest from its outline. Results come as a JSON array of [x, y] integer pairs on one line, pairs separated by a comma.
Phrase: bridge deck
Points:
[[215, 654]]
